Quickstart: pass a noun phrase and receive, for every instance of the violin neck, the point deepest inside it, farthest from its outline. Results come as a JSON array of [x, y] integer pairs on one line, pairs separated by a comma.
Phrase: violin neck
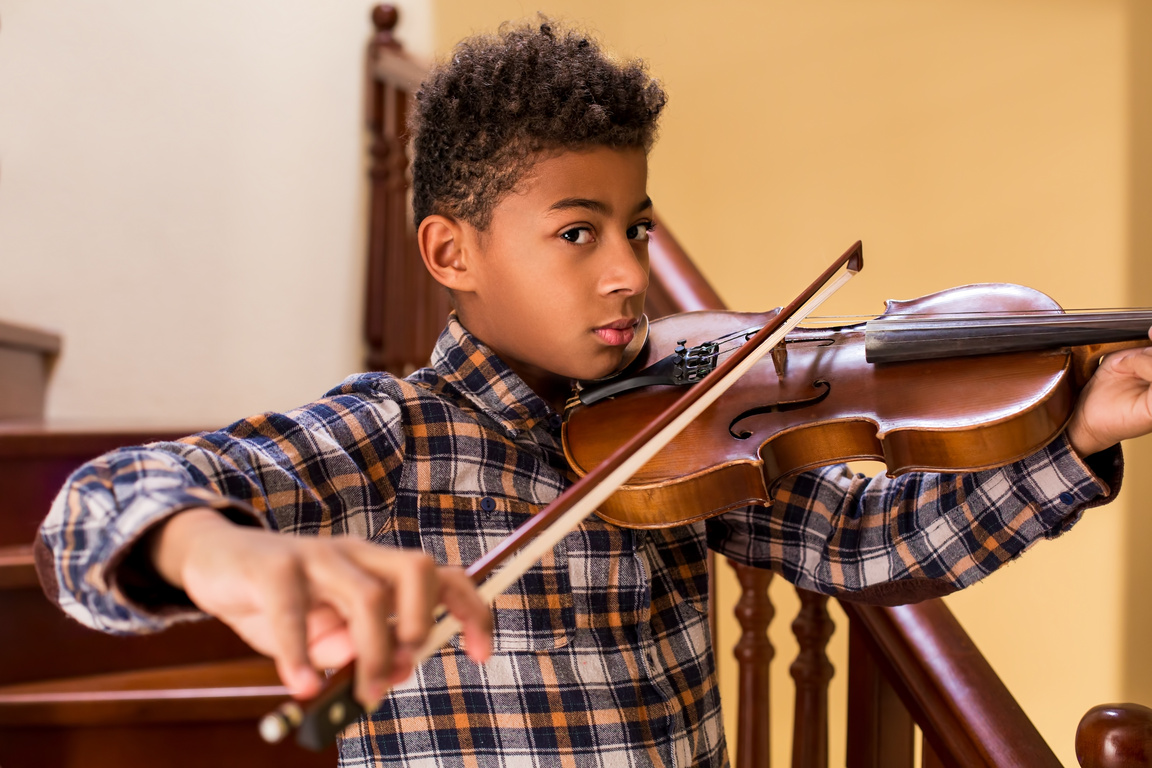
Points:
[[907, 338]]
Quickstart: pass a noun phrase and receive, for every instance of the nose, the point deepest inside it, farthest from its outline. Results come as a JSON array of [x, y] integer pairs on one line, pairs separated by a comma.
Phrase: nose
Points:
[[626, 271]]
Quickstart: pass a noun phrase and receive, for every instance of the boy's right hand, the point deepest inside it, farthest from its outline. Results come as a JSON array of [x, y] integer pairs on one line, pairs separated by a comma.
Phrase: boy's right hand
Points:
[[312, 602]]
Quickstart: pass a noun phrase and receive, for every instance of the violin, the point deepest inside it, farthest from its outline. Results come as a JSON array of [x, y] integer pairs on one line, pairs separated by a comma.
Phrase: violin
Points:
[[957, 381]]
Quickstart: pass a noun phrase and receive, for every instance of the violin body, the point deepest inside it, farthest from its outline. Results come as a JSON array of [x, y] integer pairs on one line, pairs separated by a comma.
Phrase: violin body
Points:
[[819, 402]]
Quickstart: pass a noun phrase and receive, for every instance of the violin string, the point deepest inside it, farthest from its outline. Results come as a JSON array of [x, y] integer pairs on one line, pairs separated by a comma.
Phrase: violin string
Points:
[[928, 321], [1012, 324], [984, 313]]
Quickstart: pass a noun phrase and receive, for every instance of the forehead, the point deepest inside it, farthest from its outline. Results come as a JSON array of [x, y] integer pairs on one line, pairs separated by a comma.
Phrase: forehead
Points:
[[607, 175]]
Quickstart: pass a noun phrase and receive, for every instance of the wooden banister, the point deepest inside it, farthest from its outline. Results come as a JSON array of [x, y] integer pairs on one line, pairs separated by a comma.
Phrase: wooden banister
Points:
[[967, 714], [676, 284]]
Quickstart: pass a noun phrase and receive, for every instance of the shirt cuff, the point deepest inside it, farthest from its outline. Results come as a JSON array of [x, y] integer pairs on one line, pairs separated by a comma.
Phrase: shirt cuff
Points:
[[130, 576], [1064, 484]]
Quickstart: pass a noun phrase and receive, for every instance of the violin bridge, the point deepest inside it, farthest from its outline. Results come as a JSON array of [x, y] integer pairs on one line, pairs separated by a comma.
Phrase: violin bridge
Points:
[[780, 359]]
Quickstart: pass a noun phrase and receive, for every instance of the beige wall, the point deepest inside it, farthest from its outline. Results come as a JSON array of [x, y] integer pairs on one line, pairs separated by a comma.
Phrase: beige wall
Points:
[[180, 197], [963, 142]]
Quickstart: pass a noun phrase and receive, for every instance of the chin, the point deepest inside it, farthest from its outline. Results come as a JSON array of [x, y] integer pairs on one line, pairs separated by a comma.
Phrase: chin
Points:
[[607, 368]]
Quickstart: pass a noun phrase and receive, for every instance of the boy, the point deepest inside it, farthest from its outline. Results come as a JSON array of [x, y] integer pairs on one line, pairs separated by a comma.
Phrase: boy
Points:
[[529, 183]]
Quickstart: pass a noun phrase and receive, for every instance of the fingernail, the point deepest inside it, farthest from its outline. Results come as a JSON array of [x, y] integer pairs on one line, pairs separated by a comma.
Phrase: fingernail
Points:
[[303, 680]]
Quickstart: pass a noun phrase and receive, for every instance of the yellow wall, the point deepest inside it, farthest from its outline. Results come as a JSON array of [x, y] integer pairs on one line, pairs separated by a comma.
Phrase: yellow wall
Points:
[[984, 140]]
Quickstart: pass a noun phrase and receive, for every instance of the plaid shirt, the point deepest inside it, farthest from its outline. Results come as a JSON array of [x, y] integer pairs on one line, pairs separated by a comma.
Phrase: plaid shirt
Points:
[[602, 651]]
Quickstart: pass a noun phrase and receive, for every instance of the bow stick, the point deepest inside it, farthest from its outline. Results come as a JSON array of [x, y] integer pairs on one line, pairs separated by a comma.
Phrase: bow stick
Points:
[[320, 718]]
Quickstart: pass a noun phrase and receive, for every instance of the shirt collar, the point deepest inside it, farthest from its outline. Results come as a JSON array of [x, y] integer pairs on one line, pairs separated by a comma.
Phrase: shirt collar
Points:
[[477, 373]]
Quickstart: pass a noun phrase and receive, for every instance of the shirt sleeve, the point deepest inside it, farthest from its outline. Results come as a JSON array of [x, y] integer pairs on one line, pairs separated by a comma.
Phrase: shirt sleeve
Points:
[[321, 469], [920, 535]]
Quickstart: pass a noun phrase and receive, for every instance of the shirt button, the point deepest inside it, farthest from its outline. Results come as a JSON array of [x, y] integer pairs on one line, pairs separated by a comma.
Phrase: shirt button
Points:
[[1067, 498], [487, 504]]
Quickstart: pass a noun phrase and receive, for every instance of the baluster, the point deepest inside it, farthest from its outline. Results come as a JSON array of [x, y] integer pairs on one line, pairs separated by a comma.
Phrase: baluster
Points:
[[402, 318], [405, 309], [880, 730], [384, 19], [928, 756], [409, 287], [812, 672], [754, 654]]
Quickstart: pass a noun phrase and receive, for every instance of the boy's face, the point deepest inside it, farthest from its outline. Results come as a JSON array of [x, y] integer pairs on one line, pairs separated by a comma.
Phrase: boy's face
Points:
[[557, 280]]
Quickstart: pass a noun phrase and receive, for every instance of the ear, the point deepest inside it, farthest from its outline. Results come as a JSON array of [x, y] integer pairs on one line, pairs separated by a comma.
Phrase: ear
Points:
[[444, 249]]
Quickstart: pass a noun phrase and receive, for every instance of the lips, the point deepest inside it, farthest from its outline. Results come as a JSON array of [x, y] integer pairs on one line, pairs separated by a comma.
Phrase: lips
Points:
[[617, 333]]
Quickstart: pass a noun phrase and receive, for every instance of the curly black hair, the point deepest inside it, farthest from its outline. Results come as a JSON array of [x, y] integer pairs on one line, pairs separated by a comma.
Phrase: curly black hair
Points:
[[482, 115]]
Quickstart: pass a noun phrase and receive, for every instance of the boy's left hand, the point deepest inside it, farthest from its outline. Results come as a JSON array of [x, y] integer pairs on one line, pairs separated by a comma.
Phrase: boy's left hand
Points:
[[1116, 404]]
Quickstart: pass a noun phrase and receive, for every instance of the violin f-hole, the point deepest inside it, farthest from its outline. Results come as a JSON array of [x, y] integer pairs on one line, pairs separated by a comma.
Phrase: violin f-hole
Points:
[[780, 407]]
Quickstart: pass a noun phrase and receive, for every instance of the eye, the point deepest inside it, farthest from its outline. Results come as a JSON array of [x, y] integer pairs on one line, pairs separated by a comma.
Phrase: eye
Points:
[[578, 235], [640, 231]]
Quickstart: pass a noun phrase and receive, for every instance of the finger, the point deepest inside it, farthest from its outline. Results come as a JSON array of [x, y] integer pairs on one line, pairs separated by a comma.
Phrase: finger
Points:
[[285, 593], [329, 642], [413, 576], [365, 602], [459, 596], [1134, 362]]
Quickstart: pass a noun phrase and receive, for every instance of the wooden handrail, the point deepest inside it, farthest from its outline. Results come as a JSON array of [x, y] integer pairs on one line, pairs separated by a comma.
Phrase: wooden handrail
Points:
[[676, 283], [964, 709]]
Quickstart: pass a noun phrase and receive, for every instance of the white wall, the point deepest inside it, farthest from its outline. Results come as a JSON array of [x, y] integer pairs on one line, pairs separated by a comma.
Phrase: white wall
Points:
[[181, 198]]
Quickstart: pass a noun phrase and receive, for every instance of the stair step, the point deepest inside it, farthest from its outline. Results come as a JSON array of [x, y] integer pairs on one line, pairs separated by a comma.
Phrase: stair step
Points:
[[17, 567], [241, 689]]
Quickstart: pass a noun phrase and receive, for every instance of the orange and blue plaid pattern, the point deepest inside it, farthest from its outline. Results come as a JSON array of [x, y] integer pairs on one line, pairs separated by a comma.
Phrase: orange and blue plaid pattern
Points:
[[602, 651]]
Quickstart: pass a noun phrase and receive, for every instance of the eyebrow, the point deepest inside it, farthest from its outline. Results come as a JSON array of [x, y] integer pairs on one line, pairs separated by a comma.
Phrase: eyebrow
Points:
[[594, 205]]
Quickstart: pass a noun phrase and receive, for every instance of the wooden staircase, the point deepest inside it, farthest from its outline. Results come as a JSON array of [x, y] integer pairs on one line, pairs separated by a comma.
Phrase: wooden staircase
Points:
[[72, 696]]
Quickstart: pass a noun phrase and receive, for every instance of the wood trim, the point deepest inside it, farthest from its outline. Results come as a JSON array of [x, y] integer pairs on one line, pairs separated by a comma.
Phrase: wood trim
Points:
[[17, 568], [28, 338], [38, 440], [226, 690]]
